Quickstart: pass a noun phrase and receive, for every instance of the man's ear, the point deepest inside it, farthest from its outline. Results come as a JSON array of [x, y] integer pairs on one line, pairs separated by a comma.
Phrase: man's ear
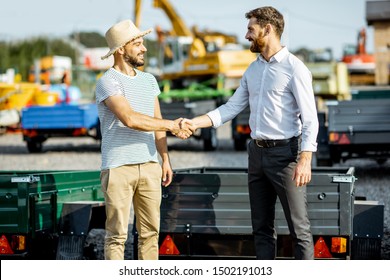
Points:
[[268, 28], [121, 50]]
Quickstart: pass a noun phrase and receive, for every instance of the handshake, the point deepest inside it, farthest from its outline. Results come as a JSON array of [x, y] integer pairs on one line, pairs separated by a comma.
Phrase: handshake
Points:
[[183, 128]]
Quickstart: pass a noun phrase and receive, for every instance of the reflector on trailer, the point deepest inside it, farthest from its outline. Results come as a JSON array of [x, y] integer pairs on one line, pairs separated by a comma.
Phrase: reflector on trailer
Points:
[[5, 248], [339, 245], [321, 250], [344, 140], [168, 247], [19, 242]]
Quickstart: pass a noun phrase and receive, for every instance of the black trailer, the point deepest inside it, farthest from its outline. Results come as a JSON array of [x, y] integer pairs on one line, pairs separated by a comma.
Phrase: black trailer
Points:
[[205, 214], [190, 109], [359, 129]]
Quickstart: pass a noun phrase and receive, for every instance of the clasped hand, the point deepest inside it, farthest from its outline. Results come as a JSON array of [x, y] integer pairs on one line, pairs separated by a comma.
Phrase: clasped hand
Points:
[[184, 128]]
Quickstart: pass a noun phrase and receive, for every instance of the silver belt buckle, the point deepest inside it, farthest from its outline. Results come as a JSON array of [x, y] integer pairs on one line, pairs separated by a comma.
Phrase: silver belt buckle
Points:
[[258, 144]]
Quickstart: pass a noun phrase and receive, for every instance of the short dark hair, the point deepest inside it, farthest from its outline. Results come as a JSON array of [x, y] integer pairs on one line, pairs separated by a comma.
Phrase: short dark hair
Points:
[[265, 15]]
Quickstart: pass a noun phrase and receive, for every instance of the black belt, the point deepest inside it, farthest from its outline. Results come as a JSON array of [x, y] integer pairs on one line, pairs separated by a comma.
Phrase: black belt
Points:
[[273, 143]]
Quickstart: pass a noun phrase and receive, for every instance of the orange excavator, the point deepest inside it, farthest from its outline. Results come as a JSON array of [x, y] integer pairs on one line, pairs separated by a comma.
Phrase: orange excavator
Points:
[[357, 59]]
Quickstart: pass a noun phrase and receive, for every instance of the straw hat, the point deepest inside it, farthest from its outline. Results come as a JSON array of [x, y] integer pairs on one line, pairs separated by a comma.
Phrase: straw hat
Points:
[[120, 34]]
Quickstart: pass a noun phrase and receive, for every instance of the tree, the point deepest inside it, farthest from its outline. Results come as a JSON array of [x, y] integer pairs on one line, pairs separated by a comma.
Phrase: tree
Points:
[[89, 39], [4, 57], [20, 55]]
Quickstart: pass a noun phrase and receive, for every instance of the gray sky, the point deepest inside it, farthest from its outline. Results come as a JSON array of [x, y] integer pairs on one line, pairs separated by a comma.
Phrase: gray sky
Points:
[[309, 23]]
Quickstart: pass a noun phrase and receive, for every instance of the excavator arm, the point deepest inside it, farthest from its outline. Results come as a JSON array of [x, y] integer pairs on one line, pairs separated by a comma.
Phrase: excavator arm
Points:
[[178, 25], [179, 28], [137, 12]]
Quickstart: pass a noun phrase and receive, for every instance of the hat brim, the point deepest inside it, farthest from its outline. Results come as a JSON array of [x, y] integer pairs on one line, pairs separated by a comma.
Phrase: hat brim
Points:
[[112, 51]]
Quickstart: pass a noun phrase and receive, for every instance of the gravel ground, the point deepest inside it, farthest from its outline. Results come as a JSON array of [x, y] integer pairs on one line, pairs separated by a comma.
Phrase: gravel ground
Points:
[[84, 154]]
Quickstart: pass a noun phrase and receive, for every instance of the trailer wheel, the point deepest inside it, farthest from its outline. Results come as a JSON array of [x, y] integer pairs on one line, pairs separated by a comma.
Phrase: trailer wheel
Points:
[[94, 245], [210, 139], [34, 146]]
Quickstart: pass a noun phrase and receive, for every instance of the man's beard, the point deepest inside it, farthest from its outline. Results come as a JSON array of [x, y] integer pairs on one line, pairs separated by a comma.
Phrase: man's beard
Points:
[[133, 61], [257, 46]]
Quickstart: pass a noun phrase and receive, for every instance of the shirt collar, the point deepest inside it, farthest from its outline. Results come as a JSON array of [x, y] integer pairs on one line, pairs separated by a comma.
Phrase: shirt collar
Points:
[[278, 57]]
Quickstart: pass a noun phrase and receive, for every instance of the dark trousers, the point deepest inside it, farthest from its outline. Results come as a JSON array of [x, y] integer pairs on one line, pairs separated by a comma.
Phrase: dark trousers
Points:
[[270, 172]]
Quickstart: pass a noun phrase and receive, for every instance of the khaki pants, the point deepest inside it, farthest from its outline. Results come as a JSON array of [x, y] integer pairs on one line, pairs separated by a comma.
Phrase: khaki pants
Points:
[[139, 184]]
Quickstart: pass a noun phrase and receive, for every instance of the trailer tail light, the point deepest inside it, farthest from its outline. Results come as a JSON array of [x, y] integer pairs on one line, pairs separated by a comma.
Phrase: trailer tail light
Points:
[[333, 137], [18, 242], [339, 245], [29, 133], [341, 139], [5, 247], [321, 250], [79, 132], [168, 247], [243, 129]]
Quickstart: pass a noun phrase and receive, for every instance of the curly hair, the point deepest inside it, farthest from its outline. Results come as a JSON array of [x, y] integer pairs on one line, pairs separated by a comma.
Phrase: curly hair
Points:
[[265, 15]]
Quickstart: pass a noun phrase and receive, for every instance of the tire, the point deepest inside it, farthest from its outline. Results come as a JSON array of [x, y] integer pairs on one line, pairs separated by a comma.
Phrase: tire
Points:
[[98, 131], [70, 247], [94, 244], [210, 139], [34, 146]]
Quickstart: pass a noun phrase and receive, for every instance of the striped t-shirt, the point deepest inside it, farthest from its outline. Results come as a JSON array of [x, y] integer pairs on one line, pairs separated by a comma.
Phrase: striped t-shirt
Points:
[[122, 145]]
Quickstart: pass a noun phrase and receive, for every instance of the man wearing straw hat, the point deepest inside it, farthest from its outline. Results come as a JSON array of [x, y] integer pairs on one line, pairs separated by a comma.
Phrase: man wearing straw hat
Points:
[[133, 132]]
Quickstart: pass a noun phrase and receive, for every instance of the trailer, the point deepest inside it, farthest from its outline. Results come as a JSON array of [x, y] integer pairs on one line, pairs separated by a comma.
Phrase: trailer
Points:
[[189, 110], [359, 129], [40, 123], [205, 214], [48, 214]]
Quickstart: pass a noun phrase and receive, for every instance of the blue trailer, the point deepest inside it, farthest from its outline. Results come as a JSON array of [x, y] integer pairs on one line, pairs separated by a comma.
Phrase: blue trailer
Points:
[[63, 120]]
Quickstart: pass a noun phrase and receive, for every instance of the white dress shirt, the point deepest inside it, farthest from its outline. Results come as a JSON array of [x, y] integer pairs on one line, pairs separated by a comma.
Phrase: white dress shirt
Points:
[[281, 99]]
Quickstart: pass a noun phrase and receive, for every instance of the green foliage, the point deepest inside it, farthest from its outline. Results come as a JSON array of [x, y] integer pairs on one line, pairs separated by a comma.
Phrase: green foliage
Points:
[[89, 39], [4, 57], [21, 55]]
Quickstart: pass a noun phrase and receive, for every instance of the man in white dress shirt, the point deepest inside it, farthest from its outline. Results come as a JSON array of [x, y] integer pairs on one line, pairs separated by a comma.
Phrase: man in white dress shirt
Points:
[[277, 86]]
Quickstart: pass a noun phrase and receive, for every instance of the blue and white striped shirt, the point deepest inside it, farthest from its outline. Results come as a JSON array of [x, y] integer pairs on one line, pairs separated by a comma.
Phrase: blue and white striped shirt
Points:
[[122, 145]]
